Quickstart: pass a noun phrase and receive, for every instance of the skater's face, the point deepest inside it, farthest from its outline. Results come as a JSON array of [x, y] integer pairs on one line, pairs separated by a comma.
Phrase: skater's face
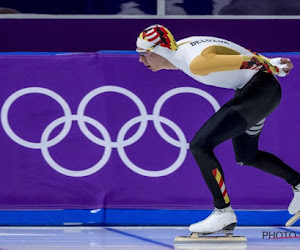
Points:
[[153, 61]]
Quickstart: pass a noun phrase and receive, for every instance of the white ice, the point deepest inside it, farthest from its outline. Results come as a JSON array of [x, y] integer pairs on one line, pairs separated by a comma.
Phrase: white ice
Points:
[[142, 238]]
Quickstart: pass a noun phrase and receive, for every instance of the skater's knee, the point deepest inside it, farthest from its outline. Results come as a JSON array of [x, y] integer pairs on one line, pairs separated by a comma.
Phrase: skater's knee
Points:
[[199, 144], [246, 157], [245, 162]]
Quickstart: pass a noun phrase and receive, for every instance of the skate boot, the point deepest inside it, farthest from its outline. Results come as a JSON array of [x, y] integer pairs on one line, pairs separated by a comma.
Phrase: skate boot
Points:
[[294, 206], [220, 220]]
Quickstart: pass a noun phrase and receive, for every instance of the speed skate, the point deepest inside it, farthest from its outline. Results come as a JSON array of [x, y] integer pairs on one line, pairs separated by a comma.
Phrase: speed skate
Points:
[[220, 221], [211, 237], [294, 207], [293, 220]]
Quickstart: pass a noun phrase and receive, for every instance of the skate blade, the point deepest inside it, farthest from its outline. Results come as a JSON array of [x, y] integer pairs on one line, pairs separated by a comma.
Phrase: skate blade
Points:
[[213, 245], [293, 220], [205, 239]]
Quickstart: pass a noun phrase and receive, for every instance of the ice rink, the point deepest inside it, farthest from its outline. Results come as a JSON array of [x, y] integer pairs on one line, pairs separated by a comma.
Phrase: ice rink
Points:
[[127, 238]]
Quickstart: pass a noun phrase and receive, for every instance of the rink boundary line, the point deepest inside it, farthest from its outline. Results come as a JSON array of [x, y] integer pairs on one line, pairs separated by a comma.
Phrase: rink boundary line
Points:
[[139, 238]]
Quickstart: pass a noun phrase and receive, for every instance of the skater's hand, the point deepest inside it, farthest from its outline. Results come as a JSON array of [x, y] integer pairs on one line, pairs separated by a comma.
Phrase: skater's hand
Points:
[[288, 63], [282, 65]]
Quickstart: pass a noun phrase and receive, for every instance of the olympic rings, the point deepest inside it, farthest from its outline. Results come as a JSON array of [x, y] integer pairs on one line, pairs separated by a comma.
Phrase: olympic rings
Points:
[[166, 96], [21, 92], [68, 172], [149, 173], [106, 142], [130, 95]]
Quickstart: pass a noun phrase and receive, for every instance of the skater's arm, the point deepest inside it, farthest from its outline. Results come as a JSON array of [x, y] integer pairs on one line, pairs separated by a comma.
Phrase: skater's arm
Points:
[[218, 58], [214, 59]]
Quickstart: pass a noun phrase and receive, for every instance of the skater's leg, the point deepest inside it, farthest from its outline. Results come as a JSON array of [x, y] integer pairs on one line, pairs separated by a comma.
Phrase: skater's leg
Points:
[[257, 100], [247, 153], [216, 130]]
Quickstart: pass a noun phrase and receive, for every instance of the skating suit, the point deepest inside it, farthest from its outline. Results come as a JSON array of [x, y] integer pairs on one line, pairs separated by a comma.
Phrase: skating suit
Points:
[[221, 63]]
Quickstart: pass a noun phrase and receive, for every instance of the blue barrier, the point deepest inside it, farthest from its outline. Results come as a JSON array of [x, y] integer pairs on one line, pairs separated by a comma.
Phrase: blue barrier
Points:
[[134, 217]]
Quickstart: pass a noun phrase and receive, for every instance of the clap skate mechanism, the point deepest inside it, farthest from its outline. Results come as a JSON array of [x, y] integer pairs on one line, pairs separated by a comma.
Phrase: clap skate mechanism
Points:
[[213, 237], [293, 220]]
